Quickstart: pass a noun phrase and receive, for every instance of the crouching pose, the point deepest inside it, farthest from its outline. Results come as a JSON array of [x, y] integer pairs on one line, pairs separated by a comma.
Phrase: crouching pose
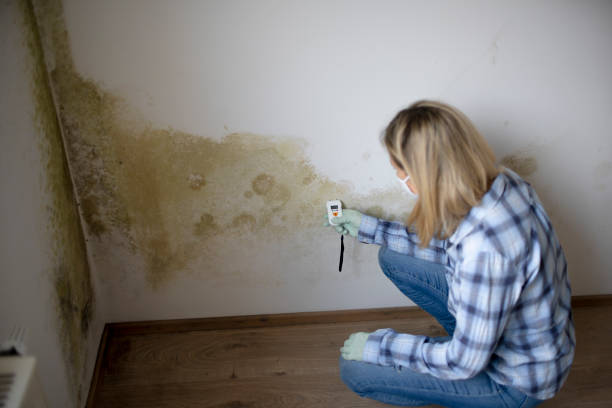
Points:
[[479, 253]]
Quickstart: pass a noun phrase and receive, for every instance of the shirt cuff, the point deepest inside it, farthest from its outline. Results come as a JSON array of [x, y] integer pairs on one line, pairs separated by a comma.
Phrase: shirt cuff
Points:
[[371, 351], [367, 229]]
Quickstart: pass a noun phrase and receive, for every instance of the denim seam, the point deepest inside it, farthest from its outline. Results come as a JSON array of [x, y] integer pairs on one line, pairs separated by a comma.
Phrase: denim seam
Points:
[[523, 402], [492, 394], [412, 402]]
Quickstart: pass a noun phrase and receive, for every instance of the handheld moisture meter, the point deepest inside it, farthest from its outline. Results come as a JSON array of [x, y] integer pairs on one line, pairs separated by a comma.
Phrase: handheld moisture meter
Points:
[[334, 210]]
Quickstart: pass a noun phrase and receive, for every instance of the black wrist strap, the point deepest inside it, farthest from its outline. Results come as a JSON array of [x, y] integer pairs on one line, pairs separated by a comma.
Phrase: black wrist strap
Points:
[[341, 252]]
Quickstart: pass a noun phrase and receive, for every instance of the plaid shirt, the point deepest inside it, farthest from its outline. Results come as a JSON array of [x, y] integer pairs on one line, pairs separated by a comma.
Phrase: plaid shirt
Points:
[[508, 291]]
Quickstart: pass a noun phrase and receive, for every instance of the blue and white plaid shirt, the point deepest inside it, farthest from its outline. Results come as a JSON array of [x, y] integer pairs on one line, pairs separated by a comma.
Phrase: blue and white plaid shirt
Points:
[[508, 290]]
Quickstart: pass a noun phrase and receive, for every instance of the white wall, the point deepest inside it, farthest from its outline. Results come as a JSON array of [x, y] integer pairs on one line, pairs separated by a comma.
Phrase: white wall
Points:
[[25, 246], [533, 76], [27, 259]]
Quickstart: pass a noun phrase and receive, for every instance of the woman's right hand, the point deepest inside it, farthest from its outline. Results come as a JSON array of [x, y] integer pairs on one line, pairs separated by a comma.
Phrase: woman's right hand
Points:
[[347, 224]]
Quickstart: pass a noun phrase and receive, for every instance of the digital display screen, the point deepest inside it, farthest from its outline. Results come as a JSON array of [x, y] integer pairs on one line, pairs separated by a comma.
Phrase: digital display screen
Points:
[[334, 207]]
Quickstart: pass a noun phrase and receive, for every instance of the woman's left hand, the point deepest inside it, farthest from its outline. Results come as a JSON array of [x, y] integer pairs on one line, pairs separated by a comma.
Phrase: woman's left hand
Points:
[[354, 345], [348, 223]]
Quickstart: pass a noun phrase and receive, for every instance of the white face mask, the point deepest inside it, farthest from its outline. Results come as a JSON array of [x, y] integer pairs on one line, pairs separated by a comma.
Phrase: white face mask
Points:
[[406, 186]]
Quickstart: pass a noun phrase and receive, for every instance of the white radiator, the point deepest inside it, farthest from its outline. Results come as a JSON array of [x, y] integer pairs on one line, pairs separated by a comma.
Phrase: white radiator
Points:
[[19, 385]]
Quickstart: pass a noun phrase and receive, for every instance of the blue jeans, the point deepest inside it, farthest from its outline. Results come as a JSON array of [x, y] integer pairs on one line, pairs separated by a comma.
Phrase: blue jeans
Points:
[[425, 284]]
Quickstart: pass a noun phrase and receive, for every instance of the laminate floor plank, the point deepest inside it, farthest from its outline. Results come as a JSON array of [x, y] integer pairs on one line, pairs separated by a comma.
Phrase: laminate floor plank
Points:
[[296, 365]]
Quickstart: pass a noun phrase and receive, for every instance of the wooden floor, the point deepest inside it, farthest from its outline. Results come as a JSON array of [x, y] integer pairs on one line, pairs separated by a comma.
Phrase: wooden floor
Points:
[[292, 360]]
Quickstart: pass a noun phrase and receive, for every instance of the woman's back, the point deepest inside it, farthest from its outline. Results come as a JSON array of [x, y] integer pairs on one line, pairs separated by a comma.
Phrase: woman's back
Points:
[[541, 328]]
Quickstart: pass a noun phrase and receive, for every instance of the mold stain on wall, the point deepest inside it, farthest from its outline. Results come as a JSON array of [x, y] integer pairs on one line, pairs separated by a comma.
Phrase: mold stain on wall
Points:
[[521, 164], [183, 202], [70, 275]]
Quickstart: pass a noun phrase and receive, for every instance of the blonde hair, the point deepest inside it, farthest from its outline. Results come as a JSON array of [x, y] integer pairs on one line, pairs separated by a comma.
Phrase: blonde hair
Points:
[[447, 159]]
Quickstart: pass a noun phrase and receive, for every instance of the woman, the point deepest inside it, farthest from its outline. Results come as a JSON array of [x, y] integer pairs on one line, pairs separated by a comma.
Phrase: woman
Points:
[[482, 257]]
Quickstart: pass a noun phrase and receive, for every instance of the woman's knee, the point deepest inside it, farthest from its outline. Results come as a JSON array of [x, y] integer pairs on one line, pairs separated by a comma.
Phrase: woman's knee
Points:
[[399, 268], [385, 260], [347, 371], [382, 254]]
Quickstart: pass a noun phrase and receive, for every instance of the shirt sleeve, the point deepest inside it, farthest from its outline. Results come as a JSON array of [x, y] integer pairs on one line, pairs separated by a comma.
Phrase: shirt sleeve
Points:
[[488, 289], [396, 237]]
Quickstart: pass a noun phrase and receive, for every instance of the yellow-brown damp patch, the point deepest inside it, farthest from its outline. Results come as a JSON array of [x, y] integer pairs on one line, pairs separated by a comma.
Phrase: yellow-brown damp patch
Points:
[[262, 184], [205, 226], [179, 199], [196, 181], [244, 221], [523, 165]]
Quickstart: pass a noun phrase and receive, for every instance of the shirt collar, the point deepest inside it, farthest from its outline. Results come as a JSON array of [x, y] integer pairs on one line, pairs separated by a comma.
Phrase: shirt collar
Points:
[[477, 213]]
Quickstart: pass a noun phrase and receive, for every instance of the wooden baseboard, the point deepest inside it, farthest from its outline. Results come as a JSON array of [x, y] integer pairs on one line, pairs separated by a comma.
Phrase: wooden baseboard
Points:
[[95, 378], [272, 320], [263, 320], [292, 319], [591, 300]]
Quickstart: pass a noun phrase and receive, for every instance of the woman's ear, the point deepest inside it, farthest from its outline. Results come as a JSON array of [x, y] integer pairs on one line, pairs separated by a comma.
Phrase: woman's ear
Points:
[[398, 170]]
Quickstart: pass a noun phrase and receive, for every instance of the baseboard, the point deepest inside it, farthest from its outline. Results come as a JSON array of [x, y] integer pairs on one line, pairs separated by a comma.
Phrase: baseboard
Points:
[[263, 320], [591, 300], [95, 378]]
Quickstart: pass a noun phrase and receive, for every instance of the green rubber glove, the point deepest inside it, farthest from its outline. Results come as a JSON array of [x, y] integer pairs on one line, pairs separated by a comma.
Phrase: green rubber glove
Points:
[[347, 224], [354, 345]]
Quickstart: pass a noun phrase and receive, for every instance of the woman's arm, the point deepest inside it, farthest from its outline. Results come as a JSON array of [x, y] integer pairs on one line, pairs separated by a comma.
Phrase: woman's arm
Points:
[[487, 291], [396, 237]]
